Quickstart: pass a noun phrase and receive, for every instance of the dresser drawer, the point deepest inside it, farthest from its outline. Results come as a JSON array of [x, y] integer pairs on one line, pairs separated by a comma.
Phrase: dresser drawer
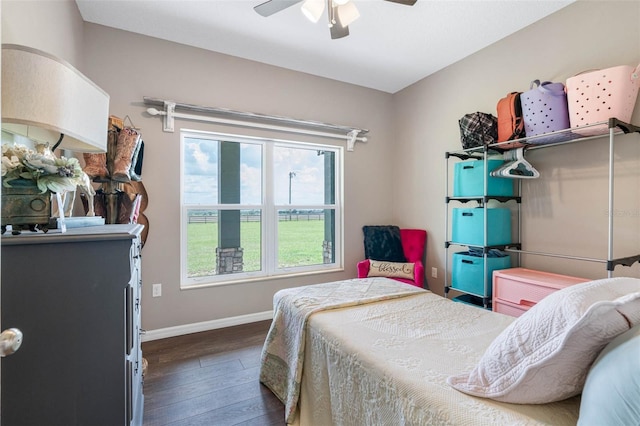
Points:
[[509, 309], [519, 292], [520, 288]]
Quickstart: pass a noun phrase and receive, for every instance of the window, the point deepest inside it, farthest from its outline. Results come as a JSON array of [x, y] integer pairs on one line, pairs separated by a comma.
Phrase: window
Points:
[[255, 208]]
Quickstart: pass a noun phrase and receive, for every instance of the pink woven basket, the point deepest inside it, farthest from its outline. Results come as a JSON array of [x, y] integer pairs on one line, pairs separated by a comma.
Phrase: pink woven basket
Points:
[[599, 95]]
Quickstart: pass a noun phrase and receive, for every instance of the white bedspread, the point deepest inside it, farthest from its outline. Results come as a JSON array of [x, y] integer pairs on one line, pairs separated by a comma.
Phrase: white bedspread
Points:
[[283, 353], [386, 363]]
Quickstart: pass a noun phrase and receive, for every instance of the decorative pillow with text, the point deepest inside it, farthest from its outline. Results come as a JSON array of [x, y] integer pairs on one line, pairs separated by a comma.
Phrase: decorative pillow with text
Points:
[[391, 269]]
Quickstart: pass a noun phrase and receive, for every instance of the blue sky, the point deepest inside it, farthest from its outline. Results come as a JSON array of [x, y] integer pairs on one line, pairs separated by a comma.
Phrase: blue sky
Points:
[[201, 169]]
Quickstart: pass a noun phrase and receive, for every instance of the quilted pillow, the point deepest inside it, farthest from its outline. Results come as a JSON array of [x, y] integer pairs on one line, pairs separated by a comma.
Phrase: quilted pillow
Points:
[[383, 243], [544, 355], [390, 269]]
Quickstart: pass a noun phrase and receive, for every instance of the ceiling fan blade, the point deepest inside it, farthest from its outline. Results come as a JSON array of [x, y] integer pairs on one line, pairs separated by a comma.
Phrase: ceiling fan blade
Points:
[[270, 7], [405, 2]]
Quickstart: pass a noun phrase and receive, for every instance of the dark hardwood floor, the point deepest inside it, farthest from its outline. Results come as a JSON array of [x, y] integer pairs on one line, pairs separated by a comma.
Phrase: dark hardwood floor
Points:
[[209, 378]]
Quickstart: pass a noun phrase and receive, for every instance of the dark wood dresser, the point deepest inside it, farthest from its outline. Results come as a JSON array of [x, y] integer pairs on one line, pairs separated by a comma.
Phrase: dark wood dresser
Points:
[[76, 298]]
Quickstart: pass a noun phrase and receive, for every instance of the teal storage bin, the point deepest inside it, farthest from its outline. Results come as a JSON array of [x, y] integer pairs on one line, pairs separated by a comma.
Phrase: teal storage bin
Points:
[[468, 179], [468, 272], [468, 226]]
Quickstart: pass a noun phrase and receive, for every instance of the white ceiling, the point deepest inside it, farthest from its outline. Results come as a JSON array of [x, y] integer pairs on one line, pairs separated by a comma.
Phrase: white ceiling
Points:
[[389, 47]]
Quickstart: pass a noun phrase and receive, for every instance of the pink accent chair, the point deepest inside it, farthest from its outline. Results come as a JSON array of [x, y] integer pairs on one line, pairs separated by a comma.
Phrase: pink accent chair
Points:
[[413, 246]]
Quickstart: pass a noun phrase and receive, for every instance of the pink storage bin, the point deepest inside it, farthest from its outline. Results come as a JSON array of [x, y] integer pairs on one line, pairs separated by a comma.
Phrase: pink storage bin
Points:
[[599, 95], [516, 290]]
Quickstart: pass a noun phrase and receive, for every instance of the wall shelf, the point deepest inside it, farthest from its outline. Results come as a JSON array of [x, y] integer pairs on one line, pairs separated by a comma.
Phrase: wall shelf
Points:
[[611, 128]]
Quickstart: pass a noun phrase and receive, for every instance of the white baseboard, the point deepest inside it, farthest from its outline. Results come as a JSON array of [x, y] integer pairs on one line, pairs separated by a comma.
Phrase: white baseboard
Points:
[[180, 330]]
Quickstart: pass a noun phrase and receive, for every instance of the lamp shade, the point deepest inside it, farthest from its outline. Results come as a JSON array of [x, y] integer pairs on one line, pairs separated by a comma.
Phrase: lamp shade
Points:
[[44, 96]]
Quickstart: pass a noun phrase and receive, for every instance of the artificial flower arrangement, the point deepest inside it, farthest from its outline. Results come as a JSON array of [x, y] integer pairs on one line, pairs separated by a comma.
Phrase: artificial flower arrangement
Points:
[[40, 166]]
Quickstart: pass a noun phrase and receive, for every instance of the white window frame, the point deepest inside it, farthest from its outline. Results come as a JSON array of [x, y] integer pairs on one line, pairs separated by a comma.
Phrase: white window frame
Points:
[[269, 216]]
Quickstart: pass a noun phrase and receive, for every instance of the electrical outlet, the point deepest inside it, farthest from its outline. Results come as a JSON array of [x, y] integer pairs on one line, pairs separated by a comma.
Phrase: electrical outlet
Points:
[[157, 290], [434, 272]]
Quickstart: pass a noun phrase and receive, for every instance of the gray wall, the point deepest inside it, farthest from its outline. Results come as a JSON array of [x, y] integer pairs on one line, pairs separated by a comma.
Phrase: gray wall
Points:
[[410, 131], [565, 211]]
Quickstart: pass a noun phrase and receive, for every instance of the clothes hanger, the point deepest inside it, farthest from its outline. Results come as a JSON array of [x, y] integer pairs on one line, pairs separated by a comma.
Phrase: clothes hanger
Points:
[[516, 166]]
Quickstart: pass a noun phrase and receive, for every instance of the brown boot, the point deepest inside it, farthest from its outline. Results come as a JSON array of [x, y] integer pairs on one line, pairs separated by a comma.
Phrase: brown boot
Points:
[[99, 204], [127, 205], [96, 167], [127, 141], [135, 160]]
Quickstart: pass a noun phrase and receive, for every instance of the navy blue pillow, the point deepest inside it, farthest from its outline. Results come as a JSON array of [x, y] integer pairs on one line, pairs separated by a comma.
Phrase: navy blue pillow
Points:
[[383, 243]]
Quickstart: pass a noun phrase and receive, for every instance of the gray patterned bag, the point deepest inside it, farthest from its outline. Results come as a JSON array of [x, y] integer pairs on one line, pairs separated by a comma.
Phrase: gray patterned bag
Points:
[[478, 129]]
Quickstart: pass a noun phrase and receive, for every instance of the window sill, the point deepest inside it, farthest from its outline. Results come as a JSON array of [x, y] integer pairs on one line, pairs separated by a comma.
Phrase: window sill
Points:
[[258, 279]]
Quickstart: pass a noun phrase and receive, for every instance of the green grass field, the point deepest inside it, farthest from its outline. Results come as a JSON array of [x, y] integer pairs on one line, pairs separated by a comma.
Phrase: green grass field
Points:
[[299, 242]]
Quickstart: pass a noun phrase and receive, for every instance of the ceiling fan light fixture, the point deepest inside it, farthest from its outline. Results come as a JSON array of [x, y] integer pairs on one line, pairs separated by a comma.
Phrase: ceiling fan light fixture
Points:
[[347, 13], [340, 2], [313, 9]]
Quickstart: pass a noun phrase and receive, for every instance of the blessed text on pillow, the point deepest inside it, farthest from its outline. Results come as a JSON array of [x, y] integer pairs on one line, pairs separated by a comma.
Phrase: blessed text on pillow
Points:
[[391, 269]]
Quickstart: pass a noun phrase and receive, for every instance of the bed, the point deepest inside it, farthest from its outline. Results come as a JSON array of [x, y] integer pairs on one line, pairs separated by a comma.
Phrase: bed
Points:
[[379, 352]]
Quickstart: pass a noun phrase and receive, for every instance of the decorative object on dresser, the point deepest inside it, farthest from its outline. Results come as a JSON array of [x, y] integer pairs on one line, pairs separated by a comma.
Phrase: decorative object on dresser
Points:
[[25, 207], [80, 362], [40, 188], [46, 101]]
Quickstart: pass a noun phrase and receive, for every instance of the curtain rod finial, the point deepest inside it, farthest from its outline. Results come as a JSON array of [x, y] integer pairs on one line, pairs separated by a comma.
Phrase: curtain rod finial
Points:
[[351, 139]]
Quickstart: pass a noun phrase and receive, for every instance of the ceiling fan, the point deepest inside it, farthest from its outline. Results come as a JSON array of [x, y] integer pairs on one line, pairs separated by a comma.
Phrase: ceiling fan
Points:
[[341, 13]]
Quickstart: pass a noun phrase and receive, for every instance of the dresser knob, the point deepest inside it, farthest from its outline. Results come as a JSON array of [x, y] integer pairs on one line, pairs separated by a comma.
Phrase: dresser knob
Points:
[[10, 341]]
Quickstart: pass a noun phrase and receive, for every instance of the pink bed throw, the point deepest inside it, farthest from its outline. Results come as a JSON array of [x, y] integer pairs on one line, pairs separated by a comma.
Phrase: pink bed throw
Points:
[[283, 351]]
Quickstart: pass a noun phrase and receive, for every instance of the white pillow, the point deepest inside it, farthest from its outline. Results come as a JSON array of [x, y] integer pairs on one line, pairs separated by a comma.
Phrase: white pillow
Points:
[[611, 394], [391, 269], [544, 355]]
